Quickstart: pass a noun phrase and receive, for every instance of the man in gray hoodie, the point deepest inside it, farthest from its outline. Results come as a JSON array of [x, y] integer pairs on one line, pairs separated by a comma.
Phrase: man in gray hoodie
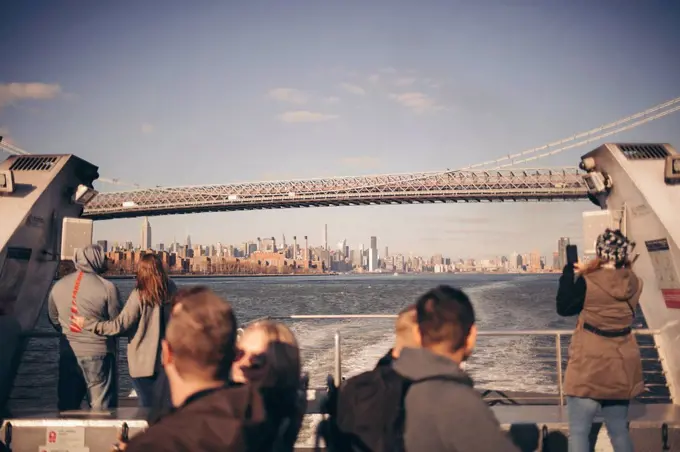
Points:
[[443, 411], [87, 294]]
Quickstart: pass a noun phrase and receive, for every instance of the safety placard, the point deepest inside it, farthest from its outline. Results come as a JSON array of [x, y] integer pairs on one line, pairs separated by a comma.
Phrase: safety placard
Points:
[[665, 270], [672, 298], [65, 437]]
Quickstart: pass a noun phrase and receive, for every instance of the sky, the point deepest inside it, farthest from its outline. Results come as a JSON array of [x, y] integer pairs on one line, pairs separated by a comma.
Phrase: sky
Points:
[[204, 92]]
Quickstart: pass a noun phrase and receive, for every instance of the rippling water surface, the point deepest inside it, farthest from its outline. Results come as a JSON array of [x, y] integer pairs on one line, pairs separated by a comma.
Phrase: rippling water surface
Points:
[[517, 302]]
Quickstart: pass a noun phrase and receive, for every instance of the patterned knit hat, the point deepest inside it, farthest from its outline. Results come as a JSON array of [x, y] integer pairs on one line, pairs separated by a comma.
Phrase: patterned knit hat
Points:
[[613, 246]]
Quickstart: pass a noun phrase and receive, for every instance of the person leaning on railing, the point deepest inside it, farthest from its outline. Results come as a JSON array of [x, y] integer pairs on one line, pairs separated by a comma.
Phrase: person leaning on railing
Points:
[[143, 320], [604, 371]]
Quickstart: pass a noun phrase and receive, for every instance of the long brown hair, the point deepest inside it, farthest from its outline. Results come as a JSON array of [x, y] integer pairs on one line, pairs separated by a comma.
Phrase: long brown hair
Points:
[[152, 280]]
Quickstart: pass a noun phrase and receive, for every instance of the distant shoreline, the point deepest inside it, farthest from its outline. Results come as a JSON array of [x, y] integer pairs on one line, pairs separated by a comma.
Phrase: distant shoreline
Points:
[[224, 276], [283, 275]]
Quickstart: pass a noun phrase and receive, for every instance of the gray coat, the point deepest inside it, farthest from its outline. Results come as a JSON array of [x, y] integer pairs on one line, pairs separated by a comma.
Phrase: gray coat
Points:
[[96, 298], [446, 415], [141, 323]]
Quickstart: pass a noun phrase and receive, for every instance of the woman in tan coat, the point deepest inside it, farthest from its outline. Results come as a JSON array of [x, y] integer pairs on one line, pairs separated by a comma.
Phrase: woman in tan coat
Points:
[[604, 371]]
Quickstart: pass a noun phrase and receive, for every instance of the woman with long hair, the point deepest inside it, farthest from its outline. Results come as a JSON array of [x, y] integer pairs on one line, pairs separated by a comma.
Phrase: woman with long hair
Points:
[[142, 320], [604, 371], [268, 357]]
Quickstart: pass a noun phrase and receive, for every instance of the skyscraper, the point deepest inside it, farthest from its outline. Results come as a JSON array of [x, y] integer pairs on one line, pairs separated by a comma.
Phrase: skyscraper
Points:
[[372, 259], [562, 251], [146, 234], [325, 236]]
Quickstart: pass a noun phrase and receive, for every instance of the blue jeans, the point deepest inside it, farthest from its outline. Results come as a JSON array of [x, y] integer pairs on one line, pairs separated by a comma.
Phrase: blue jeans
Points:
[[144, 389], [582, 411], [100, 375]]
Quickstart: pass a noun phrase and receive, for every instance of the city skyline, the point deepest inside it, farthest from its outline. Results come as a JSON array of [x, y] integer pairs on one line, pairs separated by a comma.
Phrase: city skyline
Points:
[[372, 242], [311, 89]]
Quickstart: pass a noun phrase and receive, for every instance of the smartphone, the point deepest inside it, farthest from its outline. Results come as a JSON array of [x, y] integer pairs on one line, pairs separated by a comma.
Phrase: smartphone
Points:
[[124, 433], [572, 254]]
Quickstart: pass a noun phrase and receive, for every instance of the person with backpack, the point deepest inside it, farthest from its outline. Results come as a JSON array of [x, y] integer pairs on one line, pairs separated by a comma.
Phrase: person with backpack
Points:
[[368, 405], [443, 412]]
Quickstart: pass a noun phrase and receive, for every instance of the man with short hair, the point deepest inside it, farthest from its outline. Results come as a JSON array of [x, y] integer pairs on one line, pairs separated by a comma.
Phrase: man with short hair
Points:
[[443, 411], [406, 334], [197, 353], [85, 292]]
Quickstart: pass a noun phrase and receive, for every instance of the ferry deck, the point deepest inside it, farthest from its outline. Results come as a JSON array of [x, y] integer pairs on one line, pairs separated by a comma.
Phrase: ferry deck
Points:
[[637, 188]]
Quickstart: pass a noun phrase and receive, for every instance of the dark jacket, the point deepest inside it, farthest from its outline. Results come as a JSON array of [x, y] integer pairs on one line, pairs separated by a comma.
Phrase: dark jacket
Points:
[[446, 415], [95, 298], [600, 367], [225, 420], [386, 360], [285, 409]]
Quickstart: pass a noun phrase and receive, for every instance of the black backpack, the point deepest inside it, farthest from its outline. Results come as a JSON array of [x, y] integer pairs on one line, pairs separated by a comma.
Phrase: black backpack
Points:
[[367, 413]]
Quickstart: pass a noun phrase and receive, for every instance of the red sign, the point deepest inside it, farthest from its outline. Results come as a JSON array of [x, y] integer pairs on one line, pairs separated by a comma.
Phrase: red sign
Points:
[[672, 298], [52, 437]]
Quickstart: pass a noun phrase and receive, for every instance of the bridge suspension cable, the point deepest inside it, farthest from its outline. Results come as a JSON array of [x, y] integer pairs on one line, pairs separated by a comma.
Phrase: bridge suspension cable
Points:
[[11, 149], [600, 132], [595, 138]]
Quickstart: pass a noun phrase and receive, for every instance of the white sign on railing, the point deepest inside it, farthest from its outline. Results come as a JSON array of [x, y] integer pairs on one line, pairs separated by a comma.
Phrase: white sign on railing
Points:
[[65, 439]]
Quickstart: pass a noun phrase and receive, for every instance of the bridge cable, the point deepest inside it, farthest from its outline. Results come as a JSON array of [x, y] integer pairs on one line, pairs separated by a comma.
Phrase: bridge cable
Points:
[[602, 128], [585, 134], [595, 138]]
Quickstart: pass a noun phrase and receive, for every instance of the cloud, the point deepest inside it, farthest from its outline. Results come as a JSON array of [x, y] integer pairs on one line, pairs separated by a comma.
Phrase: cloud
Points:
[[405, 81], [374, 78], [416, 101], [354, 89], [148, 129], [332, 99], [305, 116], [291, 95], [364, 162], [13, 92], [388, 70]]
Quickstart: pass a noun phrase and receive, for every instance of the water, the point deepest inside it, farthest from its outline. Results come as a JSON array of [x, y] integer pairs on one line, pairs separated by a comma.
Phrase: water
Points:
[[501, 302]]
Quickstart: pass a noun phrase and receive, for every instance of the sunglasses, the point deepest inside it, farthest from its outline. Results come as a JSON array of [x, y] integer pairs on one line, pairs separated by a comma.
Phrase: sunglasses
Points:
[[256, 362]]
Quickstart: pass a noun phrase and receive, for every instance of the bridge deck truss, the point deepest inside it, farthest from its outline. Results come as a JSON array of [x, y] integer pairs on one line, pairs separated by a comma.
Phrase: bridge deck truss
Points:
[[449, 186]]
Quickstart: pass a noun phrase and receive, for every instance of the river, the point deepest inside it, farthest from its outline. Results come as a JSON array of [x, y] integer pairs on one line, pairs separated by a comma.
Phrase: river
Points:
[[502, 302]]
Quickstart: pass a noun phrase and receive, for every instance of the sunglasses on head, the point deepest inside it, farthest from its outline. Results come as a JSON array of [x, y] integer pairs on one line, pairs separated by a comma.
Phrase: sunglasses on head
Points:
[[256, 361]]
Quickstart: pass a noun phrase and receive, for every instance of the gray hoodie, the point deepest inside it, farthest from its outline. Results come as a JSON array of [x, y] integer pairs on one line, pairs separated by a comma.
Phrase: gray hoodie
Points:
[[95, 298], [444, 415]]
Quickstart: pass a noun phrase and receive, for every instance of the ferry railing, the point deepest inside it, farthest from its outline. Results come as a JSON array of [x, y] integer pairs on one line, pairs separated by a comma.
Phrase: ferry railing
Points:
[[556, 334]]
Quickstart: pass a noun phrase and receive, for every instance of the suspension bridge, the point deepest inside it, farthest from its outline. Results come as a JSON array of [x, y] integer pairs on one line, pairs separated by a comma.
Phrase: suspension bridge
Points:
[[484, 182]]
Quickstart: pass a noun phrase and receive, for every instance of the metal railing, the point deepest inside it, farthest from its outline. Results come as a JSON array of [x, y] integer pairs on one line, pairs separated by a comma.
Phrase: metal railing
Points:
[[555, 334]]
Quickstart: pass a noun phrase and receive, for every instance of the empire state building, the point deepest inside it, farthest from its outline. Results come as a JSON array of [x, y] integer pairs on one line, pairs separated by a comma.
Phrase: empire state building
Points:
[[146, 234]]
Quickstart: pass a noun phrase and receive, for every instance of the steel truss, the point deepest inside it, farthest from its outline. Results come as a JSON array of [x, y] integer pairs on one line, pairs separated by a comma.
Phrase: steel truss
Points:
[[449, 186]]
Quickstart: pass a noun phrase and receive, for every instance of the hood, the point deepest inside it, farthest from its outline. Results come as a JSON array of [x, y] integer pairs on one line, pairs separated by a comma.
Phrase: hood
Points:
[[420, 363], [621, 283], [90, 259]]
